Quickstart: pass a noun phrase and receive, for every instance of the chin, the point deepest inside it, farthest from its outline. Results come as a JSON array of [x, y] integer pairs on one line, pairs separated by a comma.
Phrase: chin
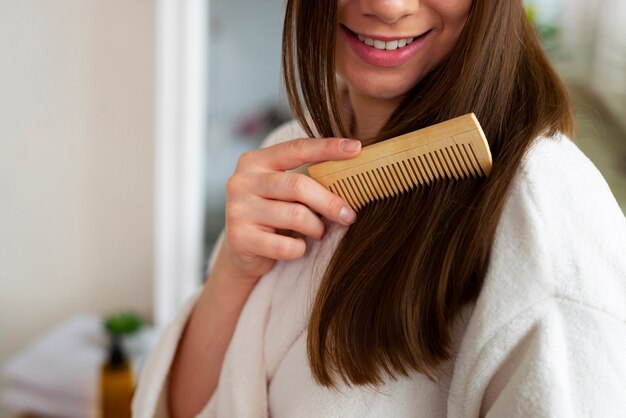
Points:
[[378, 87]]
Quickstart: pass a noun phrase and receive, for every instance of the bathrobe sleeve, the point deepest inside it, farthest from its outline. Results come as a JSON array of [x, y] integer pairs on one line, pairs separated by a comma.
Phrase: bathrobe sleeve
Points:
[[547, 337], [564, 355], [150, 398], [565, 359]]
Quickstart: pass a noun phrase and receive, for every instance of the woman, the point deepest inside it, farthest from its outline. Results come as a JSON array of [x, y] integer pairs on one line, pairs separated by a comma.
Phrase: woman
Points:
[[502, 296]]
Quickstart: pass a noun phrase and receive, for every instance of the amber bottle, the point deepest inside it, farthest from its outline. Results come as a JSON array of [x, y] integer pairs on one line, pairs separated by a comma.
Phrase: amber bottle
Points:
[[116, 384]]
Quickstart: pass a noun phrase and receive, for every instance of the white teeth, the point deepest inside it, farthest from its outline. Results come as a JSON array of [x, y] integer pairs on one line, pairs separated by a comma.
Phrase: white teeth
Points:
[[389, 46]]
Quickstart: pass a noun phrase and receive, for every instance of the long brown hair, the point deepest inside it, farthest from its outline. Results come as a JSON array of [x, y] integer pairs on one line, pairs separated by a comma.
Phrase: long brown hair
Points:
[[406, 267]]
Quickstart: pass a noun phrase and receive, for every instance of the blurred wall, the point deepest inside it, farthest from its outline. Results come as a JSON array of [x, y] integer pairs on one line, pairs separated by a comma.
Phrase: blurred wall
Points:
[[593, 38], [76, 161], [244, 80], [608, 70]]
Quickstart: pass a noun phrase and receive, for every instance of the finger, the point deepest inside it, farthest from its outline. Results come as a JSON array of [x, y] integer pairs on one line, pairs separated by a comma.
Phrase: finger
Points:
[[288, 216], [296, 187], [274, 246], [292, 154]]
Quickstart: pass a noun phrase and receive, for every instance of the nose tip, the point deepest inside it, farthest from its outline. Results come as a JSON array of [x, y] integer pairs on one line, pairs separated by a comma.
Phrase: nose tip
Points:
[[390, 11]]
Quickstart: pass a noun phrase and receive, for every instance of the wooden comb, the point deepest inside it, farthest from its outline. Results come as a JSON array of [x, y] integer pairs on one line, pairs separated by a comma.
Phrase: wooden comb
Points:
[[455, 149]]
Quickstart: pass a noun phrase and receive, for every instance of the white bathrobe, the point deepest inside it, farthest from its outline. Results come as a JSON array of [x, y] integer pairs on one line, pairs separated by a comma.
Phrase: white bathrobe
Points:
[[546, 337]]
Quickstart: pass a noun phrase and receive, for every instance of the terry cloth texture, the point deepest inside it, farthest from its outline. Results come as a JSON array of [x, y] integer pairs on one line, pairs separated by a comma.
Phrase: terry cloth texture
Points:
[[546, 337]]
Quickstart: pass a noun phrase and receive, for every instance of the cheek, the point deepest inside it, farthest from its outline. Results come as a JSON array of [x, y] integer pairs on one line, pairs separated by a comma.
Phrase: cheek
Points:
[[452, 13], [452, 16]]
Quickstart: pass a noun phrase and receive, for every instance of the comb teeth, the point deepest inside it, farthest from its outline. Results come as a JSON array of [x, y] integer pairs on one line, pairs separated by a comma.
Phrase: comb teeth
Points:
[[456, 150], [458, 162]]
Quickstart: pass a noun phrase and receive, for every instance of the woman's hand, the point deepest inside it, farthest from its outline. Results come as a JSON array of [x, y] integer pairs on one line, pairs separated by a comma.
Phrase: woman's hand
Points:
[[262, 199]]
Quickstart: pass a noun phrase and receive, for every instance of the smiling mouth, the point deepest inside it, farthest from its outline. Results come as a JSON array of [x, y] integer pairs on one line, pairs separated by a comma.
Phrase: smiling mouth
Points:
[[390, 45]]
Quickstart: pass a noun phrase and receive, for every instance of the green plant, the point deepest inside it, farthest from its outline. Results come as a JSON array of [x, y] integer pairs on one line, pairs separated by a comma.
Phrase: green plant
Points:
[[122, 323]]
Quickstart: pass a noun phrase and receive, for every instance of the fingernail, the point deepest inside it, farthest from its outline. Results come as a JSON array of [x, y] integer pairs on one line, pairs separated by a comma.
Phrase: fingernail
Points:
[[347, 215], [350, 145]]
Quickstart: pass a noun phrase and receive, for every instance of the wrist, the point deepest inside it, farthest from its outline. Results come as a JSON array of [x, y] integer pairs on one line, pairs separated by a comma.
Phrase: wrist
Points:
[[226, 269], [229, 280]]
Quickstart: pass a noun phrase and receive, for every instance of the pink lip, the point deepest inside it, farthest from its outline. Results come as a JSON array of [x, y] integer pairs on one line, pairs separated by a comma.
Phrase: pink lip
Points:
[[382, 57]]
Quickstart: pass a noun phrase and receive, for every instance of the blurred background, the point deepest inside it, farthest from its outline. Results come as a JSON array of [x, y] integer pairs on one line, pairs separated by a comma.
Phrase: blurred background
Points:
[[120, 122]]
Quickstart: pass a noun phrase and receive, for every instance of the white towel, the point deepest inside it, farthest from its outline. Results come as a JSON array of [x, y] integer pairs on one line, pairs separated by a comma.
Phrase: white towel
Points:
[[58, 373]]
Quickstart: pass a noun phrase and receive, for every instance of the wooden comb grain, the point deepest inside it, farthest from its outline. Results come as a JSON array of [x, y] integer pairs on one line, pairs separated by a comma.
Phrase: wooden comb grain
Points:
[[456, 149]]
